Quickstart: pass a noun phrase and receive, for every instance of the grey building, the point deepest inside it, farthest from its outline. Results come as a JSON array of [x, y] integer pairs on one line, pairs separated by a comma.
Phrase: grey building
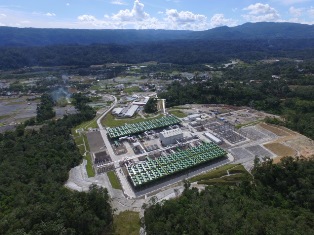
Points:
[[168, 137]]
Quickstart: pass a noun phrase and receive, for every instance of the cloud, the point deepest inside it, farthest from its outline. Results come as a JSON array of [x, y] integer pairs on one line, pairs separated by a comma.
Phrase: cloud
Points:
[[68, 4], [183, 17], [220, 20], [87, 18], [185, 20], [296, 12], [118, 2], [136, 14], [2, 15], [50, 14], [311, 12], [261, 12], [290, 2]]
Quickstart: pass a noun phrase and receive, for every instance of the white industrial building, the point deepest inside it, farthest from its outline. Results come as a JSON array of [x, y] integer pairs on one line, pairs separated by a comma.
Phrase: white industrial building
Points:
[[168, 137], [117, 111], [142, 102], [213, 138], [131, 111]]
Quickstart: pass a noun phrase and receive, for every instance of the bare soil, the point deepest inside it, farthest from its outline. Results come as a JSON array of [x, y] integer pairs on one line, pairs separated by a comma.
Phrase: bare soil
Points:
[[275, 129], [280, 150]]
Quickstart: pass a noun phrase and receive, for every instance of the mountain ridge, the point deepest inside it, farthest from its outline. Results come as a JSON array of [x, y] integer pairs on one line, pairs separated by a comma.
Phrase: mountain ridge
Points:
[[10, 36]]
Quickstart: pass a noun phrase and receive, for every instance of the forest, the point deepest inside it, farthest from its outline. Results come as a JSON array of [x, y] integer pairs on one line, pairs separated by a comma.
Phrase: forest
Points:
[[183, 52], [278, 201], [34, 165]]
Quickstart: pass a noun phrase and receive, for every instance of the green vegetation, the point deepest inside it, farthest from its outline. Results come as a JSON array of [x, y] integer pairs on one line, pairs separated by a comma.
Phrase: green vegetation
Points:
[[114, 181], [89, 166], [151, 106], [220, 176], [45, 108], [83, 146], [127, 223], [216, 173], [33, 169], [132, 89], [110, 121], [278, 200], [178, 113]]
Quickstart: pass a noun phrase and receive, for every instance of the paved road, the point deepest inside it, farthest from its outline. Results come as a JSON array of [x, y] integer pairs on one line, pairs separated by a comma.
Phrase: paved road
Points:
[[126, 188]]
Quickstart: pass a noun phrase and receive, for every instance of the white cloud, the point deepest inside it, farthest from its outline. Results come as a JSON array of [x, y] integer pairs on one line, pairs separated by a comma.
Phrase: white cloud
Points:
[[261, 12], [290, 2], [220, 20], [118, 2], [185, 20], [296, 12], [183, 17], [311, 12], [136, 14], [2, 15], [87, 18], [50, 14]]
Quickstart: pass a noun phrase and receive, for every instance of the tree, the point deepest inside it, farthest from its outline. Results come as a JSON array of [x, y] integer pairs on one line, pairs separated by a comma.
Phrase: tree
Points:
[[151, 106]]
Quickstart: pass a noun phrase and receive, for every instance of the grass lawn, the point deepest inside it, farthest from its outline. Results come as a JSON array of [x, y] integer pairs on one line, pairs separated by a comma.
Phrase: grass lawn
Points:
[[178, 113], [217, 173], [127, 223], [86, 125], [114, 181], [79, 141], [89, 166], [220, 175], [110, 121], [132, 89]]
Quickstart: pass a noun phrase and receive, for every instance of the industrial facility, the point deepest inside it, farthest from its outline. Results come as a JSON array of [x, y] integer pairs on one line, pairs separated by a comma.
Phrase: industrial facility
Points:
[[154, 169], [136, 128], [168, 137]]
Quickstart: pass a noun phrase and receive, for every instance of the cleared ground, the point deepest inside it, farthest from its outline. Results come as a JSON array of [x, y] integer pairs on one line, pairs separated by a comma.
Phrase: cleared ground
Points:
[[276, 130], [280, 149], [95, 141]]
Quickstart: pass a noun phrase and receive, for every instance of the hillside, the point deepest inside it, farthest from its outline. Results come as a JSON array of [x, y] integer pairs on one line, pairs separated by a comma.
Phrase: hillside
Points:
[[42, 37]]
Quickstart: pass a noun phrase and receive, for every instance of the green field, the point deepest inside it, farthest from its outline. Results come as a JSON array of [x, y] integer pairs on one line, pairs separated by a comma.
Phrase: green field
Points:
[[79, 141], [132, 89], [114, 181], [110, 121], [178, 113], [89, 166], [127, 223], [237, 173]]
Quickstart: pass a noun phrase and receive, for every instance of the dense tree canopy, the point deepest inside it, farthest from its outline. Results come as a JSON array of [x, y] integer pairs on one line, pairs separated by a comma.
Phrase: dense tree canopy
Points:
[[151, 106], [45, 108], [279, 201], [33, 168]]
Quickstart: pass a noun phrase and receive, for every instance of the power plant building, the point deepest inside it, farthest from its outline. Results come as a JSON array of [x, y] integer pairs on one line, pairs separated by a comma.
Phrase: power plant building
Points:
[[131, 111], [213, 138], [168, 137]]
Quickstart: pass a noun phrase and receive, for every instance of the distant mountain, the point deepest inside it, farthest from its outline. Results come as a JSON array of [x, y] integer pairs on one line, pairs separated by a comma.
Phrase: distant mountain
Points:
[[263, 30], [41, 37]]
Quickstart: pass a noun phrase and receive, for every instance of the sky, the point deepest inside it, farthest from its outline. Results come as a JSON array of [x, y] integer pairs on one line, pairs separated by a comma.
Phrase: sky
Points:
[[151, 14]]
